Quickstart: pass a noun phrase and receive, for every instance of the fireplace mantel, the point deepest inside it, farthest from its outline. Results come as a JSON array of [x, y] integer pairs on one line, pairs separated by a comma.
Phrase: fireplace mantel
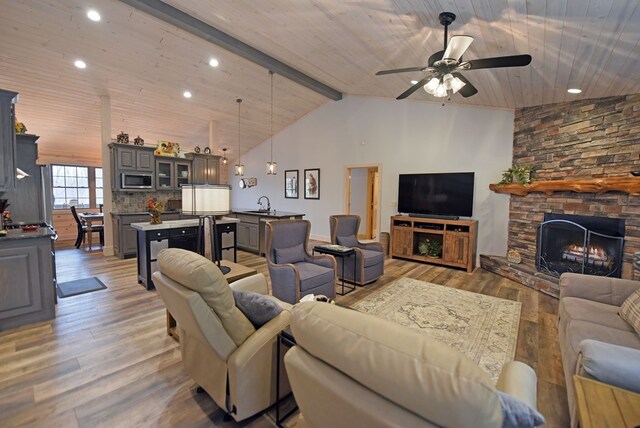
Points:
[[630, 185]]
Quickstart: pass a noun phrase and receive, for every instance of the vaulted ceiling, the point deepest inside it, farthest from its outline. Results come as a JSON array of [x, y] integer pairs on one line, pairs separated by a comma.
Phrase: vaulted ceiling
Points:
[[144, 64]]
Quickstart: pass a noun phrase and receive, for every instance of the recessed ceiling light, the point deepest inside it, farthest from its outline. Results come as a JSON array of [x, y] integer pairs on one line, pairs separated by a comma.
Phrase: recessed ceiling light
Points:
[[93, 15], [80, 64], [214, 62], [186, 94], [574, 90], [413, 82]]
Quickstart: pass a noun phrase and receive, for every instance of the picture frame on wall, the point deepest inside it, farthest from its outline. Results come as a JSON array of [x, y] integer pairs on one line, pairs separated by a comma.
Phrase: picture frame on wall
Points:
[[312, 183], [291, 183]]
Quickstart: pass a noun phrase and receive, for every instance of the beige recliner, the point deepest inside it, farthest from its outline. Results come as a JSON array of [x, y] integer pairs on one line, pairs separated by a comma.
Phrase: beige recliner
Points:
[[221, 350], [352, 369]]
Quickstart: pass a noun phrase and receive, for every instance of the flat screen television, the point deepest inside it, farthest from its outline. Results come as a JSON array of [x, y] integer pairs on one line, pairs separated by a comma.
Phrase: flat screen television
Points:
[[436, 195]]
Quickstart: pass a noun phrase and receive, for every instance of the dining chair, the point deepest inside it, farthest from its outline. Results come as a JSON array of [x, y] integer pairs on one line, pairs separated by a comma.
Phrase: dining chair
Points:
[[82, 229]]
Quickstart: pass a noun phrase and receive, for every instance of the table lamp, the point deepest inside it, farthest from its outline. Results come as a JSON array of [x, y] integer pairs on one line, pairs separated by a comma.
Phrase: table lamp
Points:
[[207, 201]]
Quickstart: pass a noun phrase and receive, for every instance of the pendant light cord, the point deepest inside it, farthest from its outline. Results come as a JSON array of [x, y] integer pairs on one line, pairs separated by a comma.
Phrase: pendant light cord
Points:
[[239, 101], [271, 73]]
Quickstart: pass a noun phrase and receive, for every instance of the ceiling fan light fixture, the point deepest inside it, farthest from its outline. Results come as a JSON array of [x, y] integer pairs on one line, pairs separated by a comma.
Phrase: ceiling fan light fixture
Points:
[[441, 92], [432, 86], [239, 165], [456, 84]]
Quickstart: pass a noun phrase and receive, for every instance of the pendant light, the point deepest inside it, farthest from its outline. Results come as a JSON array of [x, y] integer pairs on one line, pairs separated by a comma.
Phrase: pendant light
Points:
[[224, 157], [271, 165], [239, 166]]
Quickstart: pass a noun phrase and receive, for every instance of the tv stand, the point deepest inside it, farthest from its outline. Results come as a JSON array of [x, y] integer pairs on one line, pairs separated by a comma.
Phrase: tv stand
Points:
[[442, 217], [457, 238]]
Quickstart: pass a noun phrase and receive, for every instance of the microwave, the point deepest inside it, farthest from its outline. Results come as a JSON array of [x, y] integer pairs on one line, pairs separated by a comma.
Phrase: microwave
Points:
[[135, 180]]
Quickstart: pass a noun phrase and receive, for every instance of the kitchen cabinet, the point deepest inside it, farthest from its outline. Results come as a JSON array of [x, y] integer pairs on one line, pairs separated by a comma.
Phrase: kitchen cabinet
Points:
[[7, 140], [28, 278], [251, 229], [205, 168], [130, 160], [248, 237], [26, 198], [171, 174]]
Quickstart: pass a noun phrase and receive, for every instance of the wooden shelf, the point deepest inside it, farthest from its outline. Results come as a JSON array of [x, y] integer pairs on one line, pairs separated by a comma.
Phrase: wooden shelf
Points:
[[630, 185]]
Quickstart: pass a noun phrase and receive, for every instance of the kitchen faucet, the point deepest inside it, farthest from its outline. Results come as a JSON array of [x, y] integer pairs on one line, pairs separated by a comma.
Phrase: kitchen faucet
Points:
[[260, 203]]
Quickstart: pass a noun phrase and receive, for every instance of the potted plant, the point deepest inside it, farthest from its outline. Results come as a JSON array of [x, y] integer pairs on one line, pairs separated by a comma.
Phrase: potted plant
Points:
[[430, 247], [155, 208], [517, 174]]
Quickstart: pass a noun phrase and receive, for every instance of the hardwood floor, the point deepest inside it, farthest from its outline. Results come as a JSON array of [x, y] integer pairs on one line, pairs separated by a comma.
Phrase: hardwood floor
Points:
[[106, 359]]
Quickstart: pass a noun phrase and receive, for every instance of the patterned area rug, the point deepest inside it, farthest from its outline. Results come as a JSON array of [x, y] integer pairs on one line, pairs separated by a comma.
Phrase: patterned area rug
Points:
[[484, 328]]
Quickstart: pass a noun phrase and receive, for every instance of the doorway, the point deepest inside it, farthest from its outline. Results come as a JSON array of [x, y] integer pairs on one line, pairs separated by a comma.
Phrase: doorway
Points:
[[362, 195]]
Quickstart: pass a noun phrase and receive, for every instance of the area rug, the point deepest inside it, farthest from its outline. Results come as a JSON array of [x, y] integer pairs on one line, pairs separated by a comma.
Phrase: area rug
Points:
[[484, 328], [79, 286]]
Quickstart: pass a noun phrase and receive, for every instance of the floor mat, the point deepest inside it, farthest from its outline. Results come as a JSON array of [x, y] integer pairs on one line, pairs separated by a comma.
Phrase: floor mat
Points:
[[79, 286]]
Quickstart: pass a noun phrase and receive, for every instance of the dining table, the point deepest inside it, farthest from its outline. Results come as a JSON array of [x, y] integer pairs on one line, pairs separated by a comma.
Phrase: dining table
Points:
[[89, 219]]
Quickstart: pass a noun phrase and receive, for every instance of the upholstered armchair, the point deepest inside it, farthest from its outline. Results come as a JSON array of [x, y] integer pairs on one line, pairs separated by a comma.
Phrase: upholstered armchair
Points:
[[369, 257], [294, 272], [354, 369], [235, 363]]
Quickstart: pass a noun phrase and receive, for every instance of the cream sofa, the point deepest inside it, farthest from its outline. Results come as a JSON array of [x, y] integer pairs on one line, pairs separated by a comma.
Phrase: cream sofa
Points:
[[594, 340], [353, 369], [221, 350]]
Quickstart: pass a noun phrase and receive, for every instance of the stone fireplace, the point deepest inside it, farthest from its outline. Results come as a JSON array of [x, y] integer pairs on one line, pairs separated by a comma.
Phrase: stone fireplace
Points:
[[590, 245], [598, 138]]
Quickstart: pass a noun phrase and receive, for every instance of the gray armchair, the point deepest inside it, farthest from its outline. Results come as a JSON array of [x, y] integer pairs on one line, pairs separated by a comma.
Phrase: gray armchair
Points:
[[369, 257], [294, 272]]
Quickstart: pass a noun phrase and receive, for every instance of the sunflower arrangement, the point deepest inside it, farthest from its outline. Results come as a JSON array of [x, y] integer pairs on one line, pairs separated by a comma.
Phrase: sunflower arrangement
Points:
[[155, 208]]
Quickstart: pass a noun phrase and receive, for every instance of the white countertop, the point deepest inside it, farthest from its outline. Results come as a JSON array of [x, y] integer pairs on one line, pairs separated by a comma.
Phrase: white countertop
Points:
[[173, 224]]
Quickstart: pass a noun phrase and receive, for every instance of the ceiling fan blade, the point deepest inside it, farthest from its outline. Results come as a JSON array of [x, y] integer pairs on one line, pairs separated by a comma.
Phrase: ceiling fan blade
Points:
[[401, 70], [435, 57], [457, 46], [496, 62], [468, 90], [414, 88]]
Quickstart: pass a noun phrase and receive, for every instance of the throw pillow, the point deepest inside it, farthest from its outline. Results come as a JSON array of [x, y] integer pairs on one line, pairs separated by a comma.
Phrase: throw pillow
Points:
[[293, 254], [630, 310], [348, 241], [258, 308], [517, 414]]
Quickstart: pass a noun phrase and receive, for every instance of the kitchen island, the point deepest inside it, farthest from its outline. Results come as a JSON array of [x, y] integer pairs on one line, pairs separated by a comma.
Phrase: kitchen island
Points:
[[152, 238], [27, 277], [251, 227]]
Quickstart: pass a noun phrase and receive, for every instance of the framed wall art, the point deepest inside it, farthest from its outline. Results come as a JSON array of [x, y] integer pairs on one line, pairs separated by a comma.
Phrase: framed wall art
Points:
[[312, 183], [291, 182]]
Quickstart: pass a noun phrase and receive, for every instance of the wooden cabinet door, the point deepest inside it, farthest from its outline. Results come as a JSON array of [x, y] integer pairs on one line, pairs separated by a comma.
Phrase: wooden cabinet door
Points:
[[164, 174], [126, 158], [401, 241], [254, 237], [20, 287], [199, 170], [129, 240], [182, 174], [243, 235], [213, 167], [145, 160], [456, 248], [7, 141]]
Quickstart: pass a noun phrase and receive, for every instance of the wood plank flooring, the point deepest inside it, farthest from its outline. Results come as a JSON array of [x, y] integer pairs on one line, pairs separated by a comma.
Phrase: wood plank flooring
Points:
[[106, 359]]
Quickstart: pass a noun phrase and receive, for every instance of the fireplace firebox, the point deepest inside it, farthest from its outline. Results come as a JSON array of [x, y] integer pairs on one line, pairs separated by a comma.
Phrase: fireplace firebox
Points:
[[583, 244]]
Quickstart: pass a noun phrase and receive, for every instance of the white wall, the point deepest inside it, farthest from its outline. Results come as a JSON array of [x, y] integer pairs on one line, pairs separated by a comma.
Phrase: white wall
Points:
[[404, 137], [359, 178]]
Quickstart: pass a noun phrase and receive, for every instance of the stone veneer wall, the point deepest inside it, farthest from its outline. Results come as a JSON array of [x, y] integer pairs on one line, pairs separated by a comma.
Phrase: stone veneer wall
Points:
[[580, 139], [136, 202]]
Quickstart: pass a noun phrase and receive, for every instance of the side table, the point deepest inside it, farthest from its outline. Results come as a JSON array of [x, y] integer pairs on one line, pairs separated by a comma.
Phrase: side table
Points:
[[342, 252], [237, 272], [603, 405], [285, 337]]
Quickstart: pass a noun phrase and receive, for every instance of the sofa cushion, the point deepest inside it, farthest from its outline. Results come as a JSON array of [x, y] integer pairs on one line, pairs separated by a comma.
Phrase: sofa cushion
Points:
[[577, 331], [517, 414], [630, 310], [293, 254], [574, 308], [312, 275], [199, 274], [372, 258], [409, 365], [612, 364], [348, 241], [258, 308]]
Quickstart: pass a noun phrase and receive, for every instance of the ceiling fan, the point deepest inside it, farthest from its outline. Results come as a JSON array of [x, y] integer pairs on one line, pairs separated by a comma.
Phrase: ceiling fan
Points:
[[444, 66]]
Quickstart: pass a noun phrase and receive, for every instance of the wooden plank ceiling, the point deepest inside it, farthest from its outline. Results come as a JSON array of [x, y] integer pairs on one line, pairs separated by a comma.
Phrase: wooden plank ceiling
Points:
[[145, 64]]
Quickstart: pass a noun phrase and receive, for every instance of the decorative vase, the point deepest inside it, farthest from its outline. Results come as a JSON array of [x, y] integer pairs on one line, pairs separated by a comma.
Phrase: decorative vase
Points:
[[155, 217]]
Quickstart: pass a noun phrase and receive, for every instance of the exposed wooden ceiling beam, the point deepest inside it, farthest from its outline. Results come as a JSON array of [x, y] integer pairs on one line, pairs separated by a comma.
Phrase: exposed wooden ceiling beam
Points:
[[205, 31]]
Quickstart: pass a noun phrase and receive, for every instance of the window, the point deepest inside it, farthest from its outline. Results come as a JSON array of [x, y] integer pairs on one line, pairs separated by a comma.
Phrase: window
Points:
[[80, 186]]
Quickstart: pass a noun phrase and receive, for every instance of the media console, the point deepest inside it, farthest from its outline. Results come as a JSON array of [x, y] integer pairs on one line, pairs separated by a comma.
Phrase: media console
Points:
[[456, 237]]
